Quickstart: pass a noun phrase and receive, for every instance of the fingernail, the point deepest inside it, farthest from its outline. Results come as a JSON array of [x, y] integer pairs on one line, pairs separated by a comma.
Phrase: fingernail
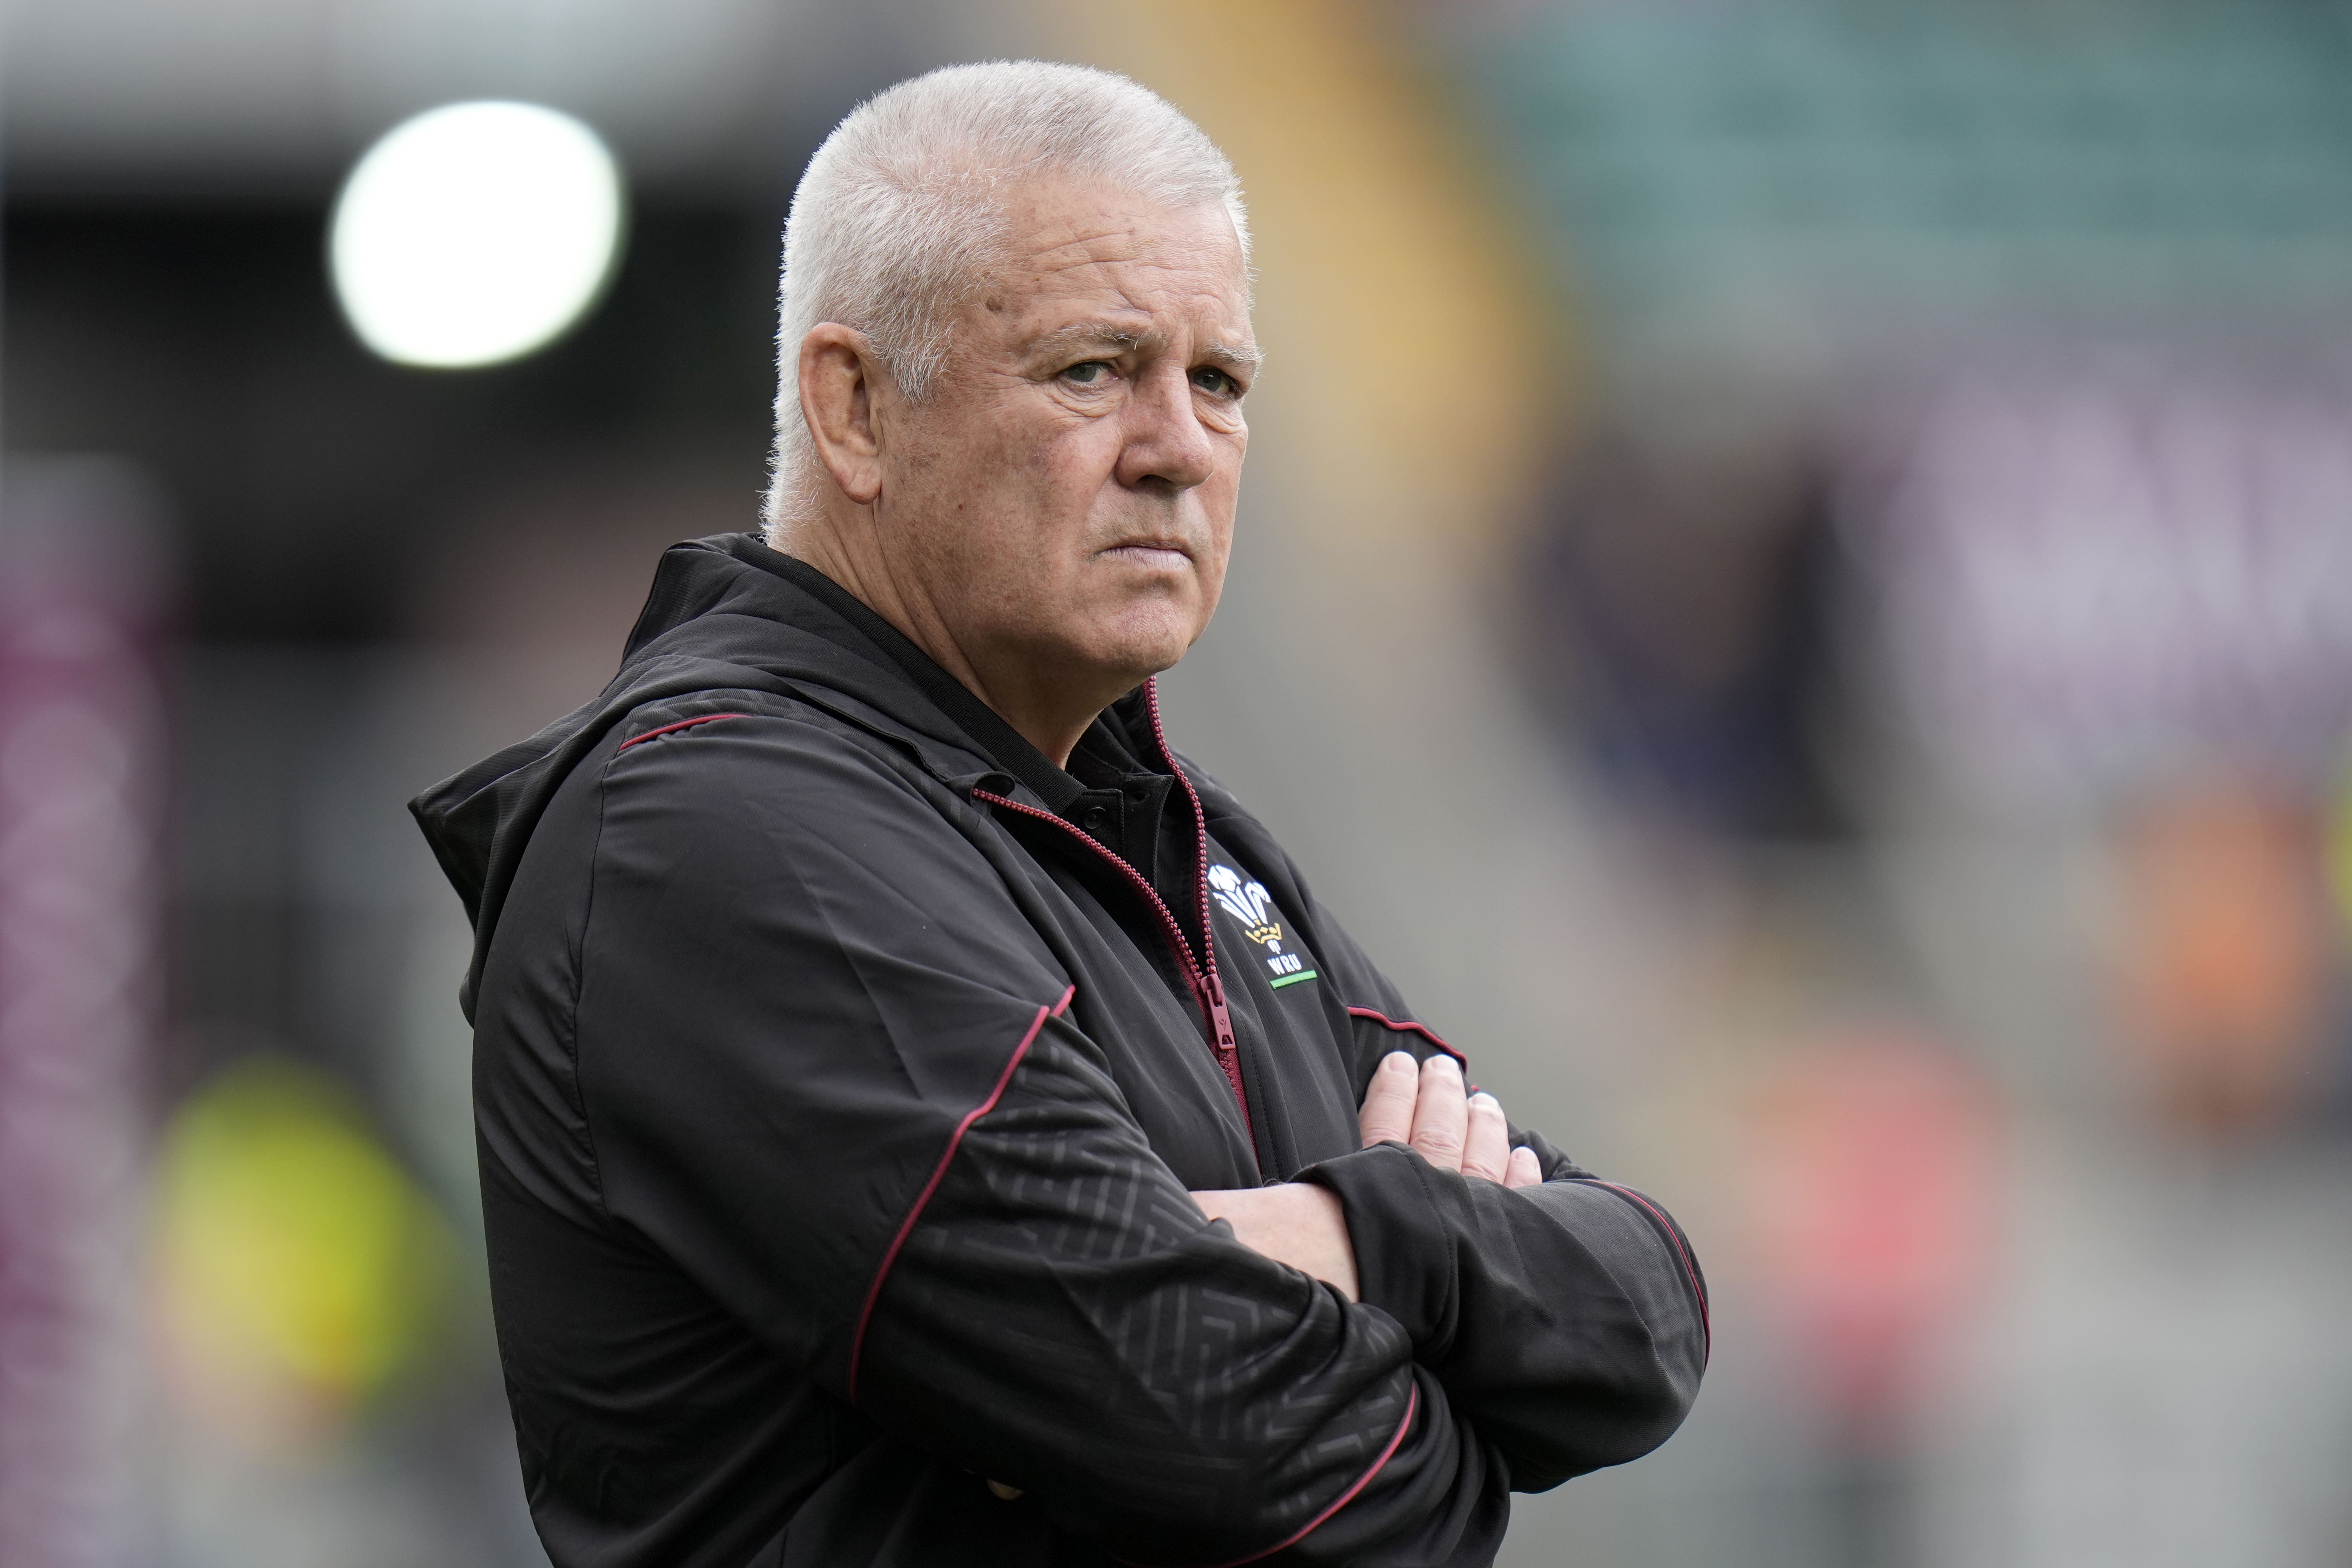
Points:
[[1486, 1099], [1399, 1061]]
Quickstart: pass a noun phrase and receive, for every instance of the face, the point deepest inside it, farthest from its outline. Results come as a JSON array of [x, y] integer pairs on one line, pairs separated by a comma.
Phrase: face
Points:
[[1065, 493]]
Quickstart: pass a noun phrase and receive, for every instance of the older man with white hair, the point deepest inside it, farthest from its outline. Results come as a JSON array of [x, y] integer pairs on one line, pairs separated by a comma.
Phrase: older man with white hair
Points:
[[925, 1120]]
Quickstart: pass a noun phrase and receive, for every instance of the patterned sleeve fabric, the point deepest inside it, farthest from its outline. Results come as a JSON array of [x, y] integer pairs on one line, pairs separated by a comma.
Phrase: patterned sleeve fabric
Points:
[[1064, 1322]]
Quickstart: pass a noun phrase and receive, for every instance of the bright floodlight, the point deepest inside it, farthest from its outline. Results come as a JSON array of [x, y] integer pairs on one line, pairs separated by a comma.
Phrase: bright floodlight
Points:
[[474, 233]]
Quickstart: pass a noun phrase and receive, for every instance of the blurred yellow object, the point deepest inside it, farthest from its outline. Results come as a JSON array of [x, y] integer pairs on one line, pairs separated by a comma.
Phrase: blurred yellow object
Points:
[[298, 1269]]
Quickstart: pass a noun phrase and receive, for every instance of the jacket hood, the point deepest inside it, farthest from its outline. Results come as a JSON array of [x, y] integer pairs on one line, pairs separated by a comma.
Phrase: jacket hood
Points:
[[724, 615]]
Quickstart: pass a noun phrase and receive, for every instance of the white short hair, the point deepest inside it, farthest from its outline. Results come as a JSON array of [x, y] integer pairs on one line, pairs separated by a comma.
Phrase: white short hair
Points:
[[900, 214]]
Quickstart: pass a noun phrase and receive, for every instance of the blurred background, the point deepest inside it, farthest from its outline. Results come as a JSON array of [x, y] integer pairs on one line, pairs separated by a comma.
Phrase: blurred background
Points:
[[1818, 535]]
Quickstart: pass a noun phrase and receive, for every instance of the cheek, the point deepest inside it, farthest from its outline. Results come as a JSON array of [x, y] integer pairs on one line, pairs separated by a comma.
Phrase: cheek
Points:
[[1071, 461], [1017, 460], [1213, 578], [1219, 500], [1021, 496], [997, 478]]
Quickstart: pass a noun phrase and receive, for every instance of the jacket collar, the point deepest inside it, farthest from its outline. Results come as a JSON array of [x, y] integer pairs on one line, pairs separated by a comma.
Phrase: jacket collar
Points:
[[982, 724], [728, 614]]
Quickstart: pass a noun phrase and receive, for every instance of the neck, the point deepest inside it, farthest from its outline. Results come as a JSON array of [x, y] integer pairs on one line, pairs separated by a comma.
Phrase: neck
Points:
[[1041, 712]]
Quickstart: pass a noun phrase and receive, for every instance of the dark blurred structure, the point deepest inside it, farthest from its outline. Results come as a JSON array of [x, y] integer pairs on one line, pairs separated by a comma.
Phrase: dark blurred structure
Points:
[[1683, 600], [319, 488], [315, 480]]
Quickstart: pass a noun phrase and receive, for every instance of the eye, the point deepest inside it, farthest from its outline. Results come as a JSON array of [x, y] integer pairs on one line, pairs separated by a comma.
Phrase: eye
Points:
[[1210, 379], [1089, 373]]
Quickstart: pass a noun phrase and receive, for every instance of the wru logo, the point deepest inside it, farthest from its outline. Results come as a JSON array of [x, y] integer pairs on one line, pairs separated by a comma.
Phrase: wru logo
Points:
[[1251, 904]]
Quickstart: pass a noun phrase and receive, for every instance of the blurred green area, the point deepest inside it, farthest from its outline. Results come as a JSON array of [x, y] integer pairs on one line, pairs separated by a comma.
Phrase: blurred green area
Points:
[[301, 1271]]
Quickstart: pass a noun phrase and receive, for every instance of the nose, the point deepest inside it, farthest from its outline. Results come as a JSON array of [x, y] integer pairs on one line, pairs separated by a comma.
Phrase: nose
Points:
[[1168, 449]]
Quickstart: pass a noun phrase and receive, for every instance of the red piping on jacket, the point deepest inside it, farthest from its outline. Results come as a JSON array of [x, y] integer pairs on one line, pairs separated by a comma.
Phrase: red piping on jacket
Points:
[[682, 724], [1705, 1329], [939, 1174], [1409, 1027], [1207, 989], [1412, 1403]]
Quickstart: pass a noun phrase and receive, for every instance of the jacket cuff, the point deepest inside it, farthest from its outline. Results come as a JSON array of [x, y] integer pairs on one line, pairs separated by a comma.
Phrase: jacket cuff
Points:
[[1404, 1248]]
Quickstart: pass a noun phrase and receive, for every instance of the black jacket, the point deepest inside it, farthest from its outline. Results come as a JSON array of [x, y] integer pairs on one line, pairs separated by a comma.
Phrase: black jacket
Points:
[[841, 1067]]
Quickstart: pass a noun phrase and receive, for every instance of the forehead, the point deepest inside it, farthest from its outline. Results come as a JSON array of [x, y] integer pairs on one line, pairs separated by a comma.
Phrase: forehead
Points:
[[1070, 244]]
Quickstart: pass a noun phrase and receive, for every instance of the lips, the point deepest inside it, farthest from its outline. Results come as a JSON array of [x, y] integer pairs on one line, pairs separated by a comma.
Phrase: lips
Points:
[[1167, 554]]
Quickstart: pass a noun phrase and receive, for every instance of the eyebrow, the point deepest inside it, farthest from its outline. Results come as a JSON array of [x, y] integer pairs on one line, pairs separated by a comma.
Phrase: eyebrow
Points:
[[1127, 340], [1230, 356]]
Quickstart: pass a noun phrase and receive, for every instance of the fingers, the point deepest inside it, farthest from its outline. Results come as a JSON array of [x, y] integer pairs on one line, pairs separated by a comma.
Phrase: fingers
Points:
[[1487, 1148], [1424, 1104], [1388, 1104], [1441, 1114]]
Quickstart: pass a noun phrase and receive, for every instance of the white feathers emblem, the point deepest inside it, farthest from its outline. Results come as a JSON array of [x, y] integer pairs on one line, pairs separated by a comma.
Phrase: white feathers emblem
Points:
[[1247, 903]]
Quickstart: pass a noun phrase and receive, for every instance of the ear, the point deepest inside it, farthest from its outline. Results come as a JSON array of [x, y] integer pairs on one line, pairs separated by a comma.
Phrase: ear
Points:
[[838, 372]]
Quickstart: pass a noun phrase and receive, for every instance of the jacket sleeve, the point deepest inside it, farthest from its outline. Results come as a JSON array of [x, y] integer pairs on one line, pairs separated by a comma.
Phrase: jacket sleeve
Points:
[[832, 1069], [1566, 1322]]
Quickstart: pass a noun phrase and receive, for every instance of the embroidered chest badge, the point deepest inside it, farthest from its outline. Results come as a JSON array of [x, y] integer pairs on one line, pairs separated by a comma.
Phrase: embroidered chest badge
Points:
[[1251, 904]]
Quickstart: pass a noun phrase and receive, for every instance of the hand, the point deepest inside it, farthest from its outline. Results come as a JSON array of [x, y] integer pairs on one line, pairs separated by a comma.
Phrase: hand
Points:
[[1425, 1106], [1422, 1104], [1294, 1223]]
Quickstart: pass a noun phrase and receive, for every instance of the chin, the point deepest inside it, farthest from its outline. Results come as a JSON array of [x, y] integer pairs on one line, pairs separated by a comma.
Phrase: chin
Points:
[[1144, 644]]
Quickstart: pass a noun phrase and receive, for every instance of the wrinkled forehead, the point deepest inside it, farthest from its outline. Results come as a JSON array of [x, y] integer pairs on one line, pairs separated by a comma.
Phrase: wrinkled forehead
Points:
[[1070, 245]]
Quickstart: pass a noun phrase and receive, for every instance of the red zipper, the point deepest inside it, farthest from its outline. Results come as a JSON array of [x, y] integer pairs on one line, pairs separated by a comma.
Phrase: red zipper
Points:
[[1208, 990], [1199, 849], [1213, 989]]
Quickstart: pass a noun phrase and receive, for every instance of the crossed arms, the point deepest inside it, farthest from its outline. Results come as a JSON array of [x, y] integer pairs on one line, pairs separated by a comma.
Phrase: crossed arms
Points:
[[1424, 1105], [1048, 1306]]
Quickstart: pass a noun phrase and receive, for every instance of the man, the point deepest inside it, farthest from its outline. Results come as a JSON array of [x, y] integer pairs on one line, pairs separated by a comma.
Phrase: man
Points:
[[924, 1121]]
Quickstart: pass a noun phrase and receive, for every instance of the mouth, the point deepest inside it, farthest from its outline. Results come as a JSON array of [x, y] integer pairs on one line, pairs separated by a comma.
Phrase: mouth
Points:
[[1153, 554]]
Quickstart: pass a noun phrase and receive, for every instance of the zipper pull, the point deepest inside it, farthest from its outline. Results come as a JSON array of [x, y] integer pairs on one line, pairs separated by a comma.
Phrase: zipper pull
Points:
[[1221, 1035], [1220, 1022]]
